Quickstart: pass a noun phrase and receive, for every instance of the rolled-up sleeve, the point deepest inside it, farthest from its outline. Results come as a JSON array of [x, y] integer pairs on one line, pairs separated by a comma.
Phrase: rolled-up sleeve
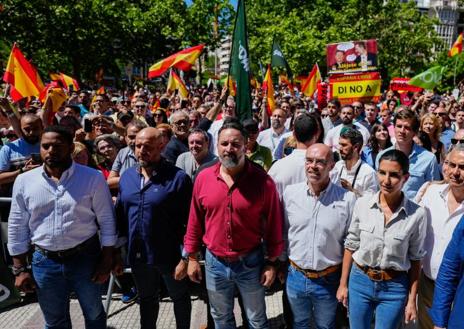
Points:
[[19, 236], [417, 242], [104, 211], [352, 239]]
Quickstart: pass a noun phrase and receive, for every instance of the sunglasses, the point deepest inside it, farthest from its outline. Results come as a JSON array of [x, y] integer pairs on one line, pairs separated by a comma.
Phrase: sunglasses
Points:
[[455, 141]]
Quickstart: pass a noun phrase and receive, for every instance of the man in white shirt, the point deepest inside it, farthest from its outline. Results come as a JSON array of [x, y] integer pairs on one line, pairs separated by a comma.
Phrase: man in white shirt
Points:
[[228, 111], [270, 137], [290, 170], [317, 217], [347, 116], [351, 172], [444, 205], [66, 218]]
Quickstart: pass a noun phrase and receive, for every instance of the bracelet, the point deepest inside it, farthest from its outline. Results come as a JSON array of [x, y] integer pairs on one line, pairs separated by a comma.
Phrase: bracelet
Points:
[[18, 270], [185, 260]]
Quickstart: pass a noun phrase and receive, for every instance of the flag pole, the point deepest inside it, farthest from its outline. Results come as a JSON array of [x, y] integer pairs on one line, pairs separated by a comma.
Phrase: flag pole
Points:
[[455, 66]]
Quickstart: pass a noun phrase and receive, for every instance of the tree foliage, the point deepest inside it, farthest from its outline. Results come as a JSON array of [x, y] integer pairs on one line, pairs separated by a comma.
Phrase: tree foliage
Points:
[[81, 36], [406, 38]]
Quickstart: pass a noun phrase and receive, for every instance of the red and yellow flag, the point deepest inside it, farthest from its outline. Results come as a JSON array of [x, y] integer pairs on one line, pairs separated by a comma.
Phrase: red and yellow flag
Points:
[[101, 91], [268, 88], [182, 60], [456, 49], [22, 76], [231, 85], [310, 85], [176, 83], [65, 80]]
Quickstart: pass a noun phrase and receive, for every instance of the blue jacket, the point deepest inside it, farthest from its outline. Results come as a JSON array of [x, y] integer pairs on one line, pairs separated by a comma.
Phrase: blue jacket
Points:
[[448, 301], [154, 217]]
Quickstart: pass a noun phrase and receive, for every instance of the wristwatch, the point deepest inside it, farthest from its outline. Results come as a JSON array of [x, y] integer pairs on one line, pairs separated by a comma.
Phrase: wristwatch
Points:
[[18, 270]]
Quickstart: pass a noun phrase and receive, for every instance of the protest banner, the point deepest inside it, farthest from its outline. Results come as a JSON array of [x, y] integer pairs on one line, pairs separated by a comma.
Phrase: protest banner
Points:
[[352, 56], [402, 84], [355, 87]]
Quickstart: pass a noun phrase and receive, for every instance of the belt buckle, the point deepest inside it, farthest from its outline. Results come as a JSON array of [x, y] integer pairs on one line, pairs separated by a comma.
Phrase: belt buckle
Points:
[[376, 275]]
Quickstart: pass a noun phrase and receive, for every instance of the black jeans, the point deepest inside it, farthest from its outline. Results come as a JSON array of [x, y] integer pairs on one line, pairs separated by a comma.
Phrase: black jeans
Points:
[[147, 279]]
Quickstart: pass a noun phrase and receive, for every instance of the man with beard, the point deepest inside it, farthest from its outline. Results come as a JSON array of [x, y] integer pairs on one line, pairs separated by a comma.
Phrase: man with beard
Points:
[[351, 172], [66, 216], [177, 145], [270, 137], [15, 157], [347, 116], [333, 118], [444, 205], [126, 157], [198, 142], [235, 209], [152, 211]]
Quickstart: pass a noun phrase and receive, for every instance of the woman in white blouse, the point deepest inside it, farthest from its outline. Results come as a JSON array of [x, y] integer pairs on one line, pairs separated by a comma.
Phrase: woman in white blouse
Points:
[[385, 242]]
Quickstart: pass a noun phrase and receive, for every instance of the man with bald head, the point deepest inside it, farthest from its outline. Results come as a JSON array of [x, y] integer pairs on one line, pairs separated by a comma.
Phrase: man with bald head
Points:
[[152, 211], [321, 210]]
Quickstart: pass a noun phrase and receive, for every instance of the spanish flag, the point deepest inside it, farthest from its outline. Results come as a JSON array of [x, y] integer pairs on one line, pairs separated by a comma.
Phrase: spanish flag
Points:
[[268, 88], [456, 49], [310, 85], [22, 76], [65, 80], [176, 83], [182, 60], [231, 85]]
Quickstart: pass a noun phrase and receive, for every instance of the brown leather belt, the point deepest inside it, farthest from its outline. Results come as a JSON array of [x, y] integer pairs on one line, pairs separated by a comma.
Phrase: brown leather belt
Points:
[[310, 274], [62, 254], [379, 275]]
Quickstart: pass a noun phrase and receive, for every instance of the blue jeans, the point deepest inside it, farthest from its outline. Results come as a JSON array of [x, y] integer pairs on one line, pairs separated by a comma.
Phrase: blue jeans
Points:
[[147, 279], [222, 279], [57, 279], [386, 298], [312, 299]]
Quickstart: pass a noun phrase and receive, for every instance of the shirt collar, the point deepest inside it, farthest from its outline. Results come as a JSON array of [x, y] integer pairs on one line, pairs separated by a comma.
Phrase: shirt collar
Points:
[[354, 168], [65, 175], [324, 192], [375, 202]]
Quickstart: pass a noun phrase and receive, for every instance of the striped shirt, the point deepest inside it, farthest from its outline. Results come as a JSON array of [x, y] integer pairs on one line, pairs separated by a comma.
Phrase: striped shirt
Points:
[[59, 216]]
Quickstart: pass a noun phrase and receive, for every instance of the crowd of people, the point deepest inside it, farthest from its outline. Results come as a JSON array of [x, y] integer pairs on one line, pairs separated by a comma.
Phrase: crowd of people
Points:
[[354, 209]]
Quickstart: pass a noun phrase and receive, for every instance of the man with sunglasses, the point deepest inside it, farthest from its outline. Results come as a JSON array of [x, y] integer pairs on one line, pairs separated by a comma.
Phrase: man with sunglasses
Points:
[[458, 137], [444, 205], [178, 143]]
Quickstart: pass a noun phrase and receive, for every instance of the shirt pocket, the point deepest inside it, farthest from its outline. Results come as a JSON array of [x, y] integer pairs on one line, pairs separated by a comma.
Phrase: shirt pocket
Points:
[[416, 178], [400, 243], [366, 236]]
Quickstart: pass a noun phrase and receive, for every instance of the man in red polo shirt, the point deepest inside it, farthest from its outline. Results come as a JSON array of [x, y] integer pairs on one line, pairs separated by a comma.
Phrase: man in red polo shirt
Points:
[[235, 210]]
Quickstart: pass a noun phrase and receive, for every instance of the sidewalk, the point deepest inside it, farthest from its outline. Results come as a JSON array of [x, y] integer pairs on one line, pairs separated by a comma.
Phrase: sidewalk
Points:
[[126, 316]]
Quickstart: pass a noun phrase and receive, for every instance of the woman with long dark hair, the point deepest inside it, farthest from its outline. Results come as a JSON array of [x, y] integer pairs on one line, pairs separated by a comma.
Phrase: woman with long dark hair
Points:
[[379, 141]]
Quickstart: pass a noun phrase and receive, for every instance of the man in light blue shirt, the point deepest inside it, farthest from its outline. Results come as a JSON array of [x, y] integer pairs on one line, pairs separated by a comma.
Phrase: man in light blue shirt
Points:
[[423, 166], [59, 216]]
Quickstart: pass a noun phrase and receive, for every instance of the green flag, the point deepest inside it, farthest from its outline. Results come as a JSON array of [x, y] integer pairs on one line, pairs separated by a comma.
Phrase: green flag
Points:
[[239, 67], [278, 59], [428, 79]]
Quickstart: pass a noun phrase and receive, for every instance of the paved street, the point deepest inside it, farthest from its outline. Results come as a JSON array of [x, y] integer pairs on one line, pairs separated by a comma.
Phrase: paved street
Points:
[[122, 316]]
